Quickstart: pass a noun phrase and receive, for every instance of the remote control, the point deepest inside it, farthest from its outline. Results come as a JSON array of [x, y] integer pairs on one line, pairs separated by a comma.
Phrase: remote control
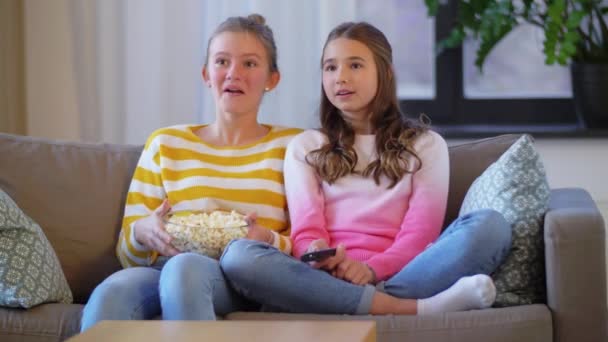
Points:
[[318, 255]]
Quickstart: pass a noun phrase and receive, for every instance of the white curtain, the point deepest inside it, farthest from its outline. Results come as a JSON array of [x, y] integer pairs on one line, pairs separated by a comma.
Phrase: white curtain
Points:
[[137, 63]]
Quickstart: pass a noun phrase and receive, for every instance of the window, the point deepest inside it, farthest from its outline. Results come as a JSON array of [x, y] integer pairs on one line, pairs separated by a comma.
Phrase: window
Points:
[[516, 91], [412, 36]]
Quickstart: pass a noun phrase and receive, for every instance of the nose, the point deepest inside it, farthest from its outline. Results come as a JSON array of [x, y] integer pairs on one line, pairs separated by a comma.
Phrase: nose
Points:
[[341, 76], [234, 72]]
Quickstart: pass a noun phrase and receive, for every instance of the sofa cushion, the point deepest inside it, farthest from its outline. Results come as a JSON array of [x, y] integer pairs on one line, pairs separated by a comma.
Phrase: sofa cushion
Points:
[[76, 192], [517, 187], [467, 161], [46, 322], [30, 273], [521, 323]]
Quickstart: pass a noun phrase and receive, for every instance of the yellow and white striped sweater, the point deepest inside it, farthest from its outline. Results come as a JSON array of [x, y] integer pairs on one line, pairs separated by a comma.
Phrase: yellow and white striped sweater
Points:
[[194, 175]]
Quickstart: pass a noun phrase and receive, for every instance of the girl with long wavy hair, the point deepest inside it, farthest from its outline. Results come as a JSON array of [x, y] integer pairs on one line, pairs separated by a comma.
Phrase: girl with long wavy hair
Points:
[[373, 184]]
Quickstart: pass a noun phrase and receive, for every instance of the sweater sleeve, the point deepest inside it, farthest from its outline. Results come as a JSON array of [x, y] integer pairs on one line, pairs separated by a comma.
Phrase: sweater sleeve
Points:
[[284, 243], [304, 195], [281, 242], [145, 194], [423, 220]]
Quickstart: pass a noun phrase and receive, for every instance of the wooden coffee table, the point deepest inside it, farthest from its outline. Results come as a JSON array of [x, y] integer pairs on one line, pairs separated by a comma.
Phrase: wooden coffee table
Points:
[[263, 331]]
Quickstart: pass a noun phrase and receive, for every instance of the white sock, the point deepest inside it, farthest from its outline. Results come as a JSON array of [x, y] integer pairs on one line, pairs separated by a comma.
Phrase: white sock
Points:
[[468, 293]]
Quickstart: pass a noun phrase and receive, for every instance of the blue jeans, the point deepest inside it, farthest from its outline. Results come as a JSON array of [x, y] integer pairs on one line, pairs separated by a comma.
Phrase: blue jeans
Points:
[[187, 287], [474, 243]]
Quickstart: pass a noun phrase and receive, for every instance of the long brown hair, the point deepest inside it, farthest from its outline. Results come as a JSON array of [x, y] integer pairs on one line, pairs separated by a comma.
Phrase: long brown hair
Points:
[[254, 24], [395, 133]]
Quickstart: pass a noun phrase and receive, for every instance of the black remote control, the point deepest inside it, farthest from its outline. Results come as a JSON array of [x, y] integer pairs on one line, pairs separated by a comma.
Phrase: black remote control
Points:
[[318, 255]]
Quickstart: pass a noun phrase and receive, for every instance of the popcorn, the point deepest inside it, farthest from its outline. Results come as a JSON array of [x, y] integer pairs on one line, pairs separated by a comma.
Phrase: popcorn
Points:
[[205, 233]]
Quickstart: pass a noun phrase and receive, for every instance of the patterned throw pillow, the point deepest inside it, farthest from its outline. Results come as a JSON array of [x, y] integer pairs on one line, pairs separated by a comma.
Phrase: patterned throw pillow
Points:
[[30, 273], [516, 186]]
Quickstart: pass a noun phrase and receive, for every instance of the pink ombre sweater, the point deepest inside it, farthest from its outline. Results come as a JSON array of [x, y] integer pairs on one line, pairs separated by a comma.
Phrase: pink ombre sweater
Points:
[[385, 228]]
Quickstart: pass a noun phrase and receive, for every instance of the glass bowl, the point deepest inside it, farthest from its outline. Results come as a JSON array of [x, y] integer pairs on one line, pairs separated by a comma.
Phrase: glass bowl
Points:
[[205, 233]]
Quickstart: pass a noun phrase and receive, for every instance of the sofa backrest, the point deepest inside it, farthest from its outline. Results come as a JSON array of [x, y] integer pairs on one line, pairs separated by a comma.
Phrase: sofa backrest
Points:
[[76, 193], [468, 161]]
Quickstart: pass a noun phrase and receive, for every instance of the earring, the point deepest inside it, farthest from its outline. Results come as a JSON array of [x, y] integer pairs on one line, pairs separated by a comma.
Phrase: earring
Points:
[[267, 89]]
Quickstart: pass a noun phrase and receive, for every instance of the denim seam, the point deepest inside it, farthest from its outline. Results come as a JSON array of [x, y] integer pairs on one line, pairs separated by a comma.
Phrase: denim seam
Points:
[[143, 303]]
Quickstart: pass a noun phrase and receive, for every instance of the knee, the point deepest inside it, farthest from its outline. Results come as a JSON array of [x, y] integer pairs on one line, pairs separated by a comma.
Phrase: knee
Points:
[[118, 295], [189, 262], [186, 269], [118, 288], [491, 230], [241, 258]]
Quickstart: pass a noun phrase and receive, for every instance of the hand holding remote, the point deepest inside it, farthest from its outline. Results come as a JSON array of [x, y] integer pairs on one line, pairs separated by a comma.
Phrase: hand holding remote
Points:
[[330, 262], [318, 255]]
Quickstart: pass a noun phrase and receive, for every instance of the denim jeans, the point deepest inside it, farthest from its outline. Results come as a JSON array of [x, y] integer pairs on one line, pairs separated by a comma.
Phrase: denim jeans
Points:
[[187, 287], [474, 243]]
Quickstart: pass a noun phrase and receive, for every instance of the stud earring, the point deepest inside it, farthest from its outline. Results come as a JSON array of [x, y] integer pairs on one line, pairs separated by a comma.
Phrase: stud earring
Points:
[[267, 89]]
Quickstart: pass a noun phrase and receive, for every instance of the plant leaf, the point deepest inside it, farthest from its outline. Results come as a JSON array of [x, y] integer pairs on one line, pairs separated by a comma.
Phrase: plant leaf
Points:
[[574, 19], [479, 5], [432, 6], [574, 29], [466, 15], [496, 22], [455, 38], [556, 9]]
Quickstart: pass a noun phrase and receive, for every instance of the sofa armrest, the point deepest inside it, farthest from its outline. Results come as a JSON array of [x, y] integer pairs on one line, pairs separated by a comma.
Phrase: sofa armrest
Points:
[[575, 261]]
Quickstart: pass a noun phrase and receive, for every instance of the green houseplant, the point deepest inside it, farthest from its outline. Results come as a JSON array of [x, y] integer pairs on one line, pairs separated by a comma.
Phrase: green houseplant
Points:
[[576, 33]]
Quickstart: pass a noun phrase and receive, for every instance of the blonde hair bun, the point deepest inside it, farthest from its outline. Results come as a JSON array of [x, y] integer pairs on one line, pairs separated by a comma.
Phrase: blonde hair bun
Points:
[[257, 18]]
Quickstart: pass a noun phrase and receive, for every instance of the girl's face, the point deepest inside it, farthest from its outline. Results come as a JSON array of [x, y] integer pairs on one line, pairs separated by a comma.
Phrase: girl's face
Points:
[[238, 72], [350, 77]]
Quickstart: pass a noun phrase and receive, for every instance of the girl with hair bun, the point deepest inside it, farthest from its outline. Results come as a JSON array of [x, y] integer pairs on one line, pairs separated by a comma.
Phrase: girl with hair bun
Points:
[[234, 163]]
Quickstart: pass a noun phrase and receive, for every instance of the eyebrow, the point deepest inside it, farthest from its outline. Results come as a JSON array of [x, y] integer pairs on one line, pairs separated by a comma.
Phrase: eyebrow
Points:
[[252, 54], [352, 58]]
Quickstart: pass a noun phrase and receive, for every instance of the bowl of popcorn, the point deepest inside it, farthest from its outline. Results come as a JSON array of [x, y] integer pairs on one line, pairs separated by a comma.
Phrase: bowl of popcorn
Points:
[[205, 233]]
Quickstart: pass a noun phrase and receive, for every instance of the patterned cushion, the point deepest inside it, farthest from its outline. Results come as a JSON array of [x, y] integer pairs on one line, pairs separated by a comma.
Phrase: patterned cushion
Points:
[[516, 186], [30, 273]]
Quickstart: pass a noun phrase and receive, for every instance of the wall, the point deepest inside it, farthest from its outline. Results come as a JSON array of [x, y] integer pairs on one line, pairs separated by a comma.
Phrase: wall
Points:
[[50, 96], [12, 88], [578, 163]]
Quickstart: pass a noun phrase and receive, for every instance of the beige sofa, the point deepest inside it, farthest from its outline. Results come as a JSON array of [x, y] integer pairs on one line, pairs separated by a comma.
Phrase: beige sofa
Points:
[[76, 192]]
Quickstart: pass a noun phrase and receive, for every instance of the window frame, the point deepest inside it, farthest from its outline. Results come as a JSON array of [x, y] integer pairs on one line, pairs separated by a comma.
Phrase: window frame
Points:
[[450, 108]]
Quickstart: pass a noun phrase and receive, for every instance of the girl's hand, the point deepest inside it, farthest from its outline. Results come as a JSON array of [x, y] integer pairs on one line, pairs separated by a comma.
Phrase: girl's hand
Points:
[[354, 272], [330, 263], [150, 231], [317, 245], [257, 232]]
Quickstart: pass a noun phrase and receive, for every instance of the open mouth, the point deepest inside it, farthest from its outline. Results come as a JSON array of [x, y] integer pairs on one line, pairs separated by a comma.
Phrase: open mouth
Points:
[[343, 92], [233, 90]]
